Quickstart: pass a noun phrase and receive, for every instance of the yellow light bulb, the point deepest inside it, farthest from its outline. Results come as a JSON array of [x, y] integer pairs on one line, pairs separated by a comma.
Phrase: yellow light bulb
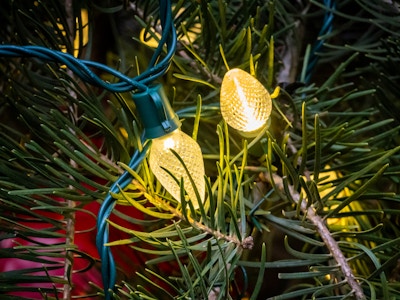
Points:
[[245, 103], [161, 157]]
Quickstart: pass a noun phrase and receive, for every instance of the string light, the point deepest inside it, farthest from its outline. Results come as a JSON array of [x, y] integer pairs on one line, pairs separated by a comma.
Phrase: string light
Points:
[[245, 103], [162, 126]]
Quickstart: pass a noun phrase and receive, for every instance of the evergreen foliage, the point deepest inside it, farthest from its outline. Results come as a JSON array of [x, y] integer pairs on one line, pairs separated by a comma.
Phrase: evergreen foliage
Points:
[[285, 210]]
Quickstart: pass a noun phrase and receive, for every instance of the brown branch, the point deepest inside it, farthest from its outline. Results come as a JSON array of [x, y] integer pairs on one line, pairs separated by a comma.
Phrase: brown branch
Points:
[[326, 236], [246, 243], [69, 12], [69, 256], [70, 215]]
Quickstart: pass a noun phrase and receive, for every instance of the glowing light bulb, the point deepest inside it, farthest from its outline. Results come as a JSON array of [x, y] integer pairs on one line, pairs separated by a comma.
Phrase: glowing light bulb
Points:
[[162, 159], [245, 103], [162, 126]]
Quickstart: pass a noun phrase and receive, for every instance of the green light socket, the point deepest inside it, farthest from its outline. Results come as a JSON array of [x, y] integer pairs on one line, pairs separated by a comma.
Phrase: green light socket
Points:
[[155, 112]]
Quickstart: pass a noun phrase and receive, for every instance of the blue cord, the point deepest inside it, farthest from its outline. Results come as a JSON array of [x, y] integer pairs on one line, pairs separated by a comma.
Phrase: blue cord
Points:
[[108, 269], [154, 71], [82, 68], [317, 47]]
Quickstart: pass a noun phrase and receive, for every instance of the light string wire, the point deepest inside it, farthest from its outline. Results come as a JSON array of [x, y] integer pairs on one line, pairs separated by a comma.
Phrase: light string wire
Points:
[[155, 70], [158, 66], [326, 29], [108, 268]]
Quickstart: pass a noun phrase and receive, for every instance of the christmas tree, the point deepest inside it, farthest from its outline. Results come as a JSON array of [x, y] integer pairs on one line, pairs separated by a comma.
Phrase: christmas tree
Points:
[[222, 149]]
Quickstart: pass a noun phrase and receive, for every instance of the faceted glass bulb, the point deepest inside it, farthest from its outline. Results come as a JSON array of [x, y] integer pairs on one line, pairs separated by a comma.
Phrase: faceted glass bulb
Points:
[[162, 157], [245, 103]]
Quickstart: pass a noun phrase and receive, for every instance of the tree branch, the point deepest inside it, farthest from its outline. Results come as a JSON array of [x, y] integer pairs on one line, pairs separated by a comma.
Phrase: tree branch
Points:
[[325, 234], [246, 243], [70, 215]]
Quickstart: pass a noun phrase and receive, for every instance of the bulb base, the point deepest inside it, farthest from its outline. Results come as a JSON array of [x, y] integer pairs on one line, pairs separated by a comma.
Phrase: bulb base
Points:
[[155, 112]]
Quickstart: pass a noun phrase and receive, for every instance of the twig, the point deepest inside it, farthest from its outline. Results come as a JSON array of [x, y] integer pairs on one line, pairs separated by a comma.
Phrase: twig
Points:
[[69, 12], [69, 256], [70, 215], [326, 236], [246, 243], [103, 157]]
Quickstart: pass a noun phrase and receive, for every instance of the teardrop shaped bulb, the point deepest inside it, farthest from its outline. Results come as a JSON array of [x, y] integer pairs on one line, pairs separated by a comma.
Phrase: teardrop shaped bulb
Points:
[[161, 157], [245, 103]]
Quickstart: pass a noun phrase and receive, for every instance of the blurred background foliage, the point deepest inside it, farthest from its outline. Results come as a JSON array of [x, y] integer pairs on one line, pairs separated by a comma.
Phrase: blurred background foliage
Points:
[[333, 141]]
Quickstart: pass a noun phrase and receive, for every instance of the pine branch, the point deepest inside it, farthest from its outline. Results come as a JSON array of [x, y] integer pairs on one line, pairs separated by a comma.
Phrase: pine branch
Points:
[[70, 216], [246, 243], [325, 234]]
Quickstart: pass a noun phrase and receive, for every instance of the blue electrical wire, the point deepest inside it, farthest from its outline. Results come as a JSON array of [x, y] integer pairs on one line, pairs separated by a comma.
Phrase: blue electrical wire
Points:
[[158, 66], [154, 71], [325, 30], [108, 269]]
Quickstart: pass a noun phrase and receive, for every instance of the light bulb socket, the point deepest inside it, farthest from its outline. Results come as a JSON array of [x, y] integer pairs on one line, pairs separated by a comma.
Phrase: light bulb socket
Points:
[[155, 112]]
